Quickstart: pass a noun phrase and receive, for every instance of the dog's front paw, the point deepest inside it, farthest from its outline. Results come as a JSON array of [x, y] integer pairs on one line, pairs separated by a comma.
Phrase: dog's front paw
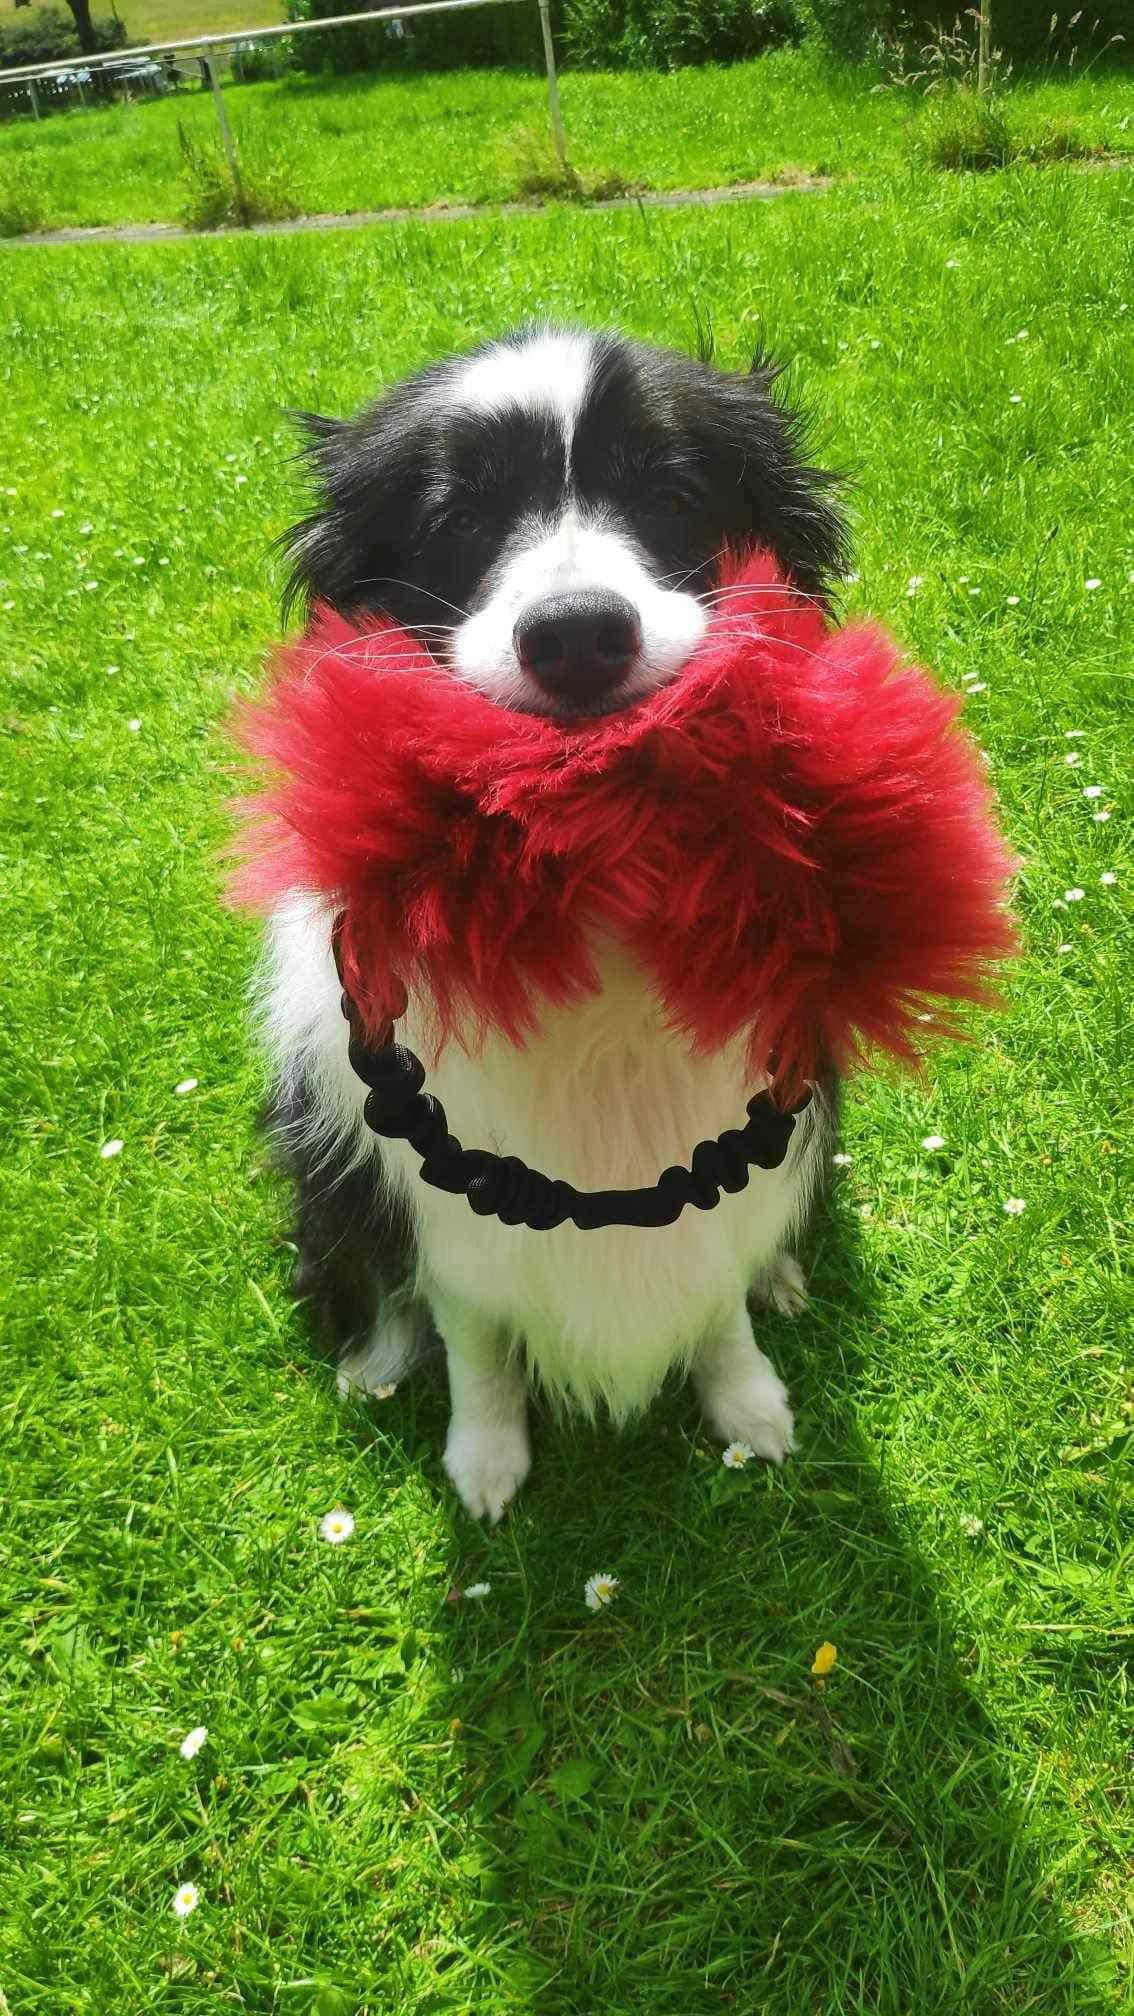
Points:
[[487, 1466], [754, 1409]]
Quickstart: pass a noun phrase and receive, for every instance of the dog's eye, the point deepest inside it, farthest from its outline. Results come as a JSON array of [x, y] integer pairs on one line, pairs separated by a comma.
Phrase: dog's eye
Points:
[[669, 502], [461, 523]]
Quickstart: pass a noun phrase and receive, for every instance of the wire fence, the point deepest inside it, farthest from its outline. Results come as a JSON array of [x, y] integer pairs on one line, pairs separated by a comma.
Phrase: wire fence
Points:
[[139, 69]]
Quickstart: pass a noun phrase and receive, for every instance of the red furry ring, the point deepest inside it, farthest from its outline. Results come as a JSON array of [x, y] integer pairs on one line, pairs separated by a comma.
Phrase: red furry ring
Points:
[[793, 837]]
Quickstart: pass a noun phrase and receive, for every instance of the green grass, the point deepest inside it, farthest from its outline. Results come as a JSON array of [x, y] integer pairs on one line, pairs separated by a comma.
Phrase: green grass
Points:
[[512, 1806], [361, 143], [174, 20]]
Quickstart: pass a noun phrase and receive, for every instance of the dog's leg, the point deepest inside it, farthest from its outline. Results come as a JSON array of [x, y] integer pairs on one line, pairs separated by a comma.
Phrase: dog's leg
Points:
[[781, 1286], [355, 1256], [390, 1351], [742, 1395], [487, 1454]]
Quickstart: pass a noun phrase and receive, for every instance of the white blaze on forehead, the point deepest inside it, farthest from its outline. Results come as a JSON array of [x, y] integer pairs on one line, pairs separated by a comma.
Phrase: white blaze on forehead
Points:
[[547, 373]]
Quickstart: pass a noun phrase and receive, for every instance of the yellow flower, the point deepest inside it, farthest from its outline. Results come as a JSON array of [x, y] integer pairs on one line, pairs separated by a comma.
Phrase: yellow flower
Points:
[[824, 1659]]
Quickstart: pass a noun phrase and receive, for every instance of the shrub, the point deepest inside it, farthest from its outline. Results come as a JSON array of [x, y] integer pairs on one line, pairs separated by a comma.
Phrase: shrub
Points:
[[662, 34], [1026, 30], [592, 34], [22, 207], [506, 35], [963, 130], [47, 35], [211, 198], [258, 62]]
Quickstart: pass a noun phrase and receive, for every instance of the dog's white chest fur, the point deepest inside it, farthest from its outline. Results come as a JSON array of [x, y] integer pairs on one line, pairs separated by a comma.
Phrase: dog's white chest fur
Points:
[[606, 1096]]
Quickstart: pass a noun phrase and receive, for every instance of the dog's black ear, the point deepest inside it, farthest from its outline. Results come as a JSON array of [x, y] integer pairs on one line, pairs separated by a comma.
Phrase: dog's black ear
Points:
[[306, 543], [788, 501], [313, 547], [364, 475]]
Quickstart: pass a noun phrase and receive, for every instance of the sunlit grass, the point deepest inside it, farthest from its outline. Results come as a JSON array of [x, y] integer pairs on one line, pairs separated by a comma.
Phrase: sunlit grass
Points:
[[513, 1805], [361, 142]]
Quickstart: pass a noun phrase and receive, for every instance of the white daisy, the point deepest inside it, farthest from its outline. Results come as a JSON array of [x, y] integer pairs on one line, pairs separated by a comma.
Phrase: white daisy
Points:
[[111, 1148], [1093, 790], [949, 263], [1093, 583], [1073, 895], [1013, 1206], [971, 1526], [1100, 818], [57, 514], [1109, 879], [915, 582], [336, 1526], [978, 686], [932, 1141], [1073, 760], [134, 725], [1074, 734], [476, 1589], [842, 1161], [185, 1085], [599, 1590], [86, 528], [737, 1455], [90, 586], [1015, 399], [1065, 948], [194, 1741], [1013, 601], [185, 1900]]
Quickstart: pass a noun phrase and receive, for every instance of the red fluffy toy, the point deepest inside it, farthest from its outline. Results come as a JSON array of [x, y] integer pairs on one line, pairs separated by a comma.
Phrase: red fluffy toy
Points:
[[793, 836]]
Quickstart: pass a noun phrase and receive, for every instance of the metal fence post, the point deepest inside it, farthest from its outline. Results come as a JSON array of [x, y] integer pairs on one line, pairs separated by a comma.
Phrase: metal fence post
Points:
[[557, 133], [227, 140], [34, 96], [985, 38]]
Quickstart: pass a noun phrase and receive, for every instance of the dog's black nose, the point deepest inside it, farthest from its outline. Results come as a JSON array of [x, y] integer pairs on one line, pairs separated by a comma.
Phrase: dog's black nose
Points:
[[579, 644]]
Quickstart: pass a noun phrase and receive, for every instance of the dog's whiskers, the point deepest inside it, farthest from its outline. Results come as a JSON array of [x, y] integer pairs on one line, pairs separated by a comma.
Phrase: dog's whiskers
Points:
[[415, 588]]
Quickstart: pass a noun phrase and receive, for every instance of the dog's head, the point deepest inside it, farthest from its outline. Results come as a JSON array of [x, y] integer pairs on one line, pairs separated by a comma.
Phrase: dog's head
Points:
[[547, 514]]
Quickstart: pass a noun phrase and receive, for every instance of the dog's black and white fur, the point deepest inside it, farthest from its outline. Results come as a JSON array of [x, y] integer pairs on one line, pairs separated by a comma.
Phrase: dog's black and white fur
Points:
[[546, 515]]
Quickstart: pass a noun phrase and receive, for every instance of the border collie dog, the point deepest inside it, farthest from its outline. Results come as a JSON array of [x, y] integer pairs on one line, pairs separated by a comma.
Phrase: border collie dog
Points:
[[546, 516]]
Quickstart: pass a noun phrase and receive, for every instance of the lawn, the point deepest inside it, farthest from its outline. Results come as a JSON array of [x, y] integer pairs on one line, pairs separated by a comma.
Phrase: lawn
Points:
[[174, 20], [360, 143], [510, 1804]]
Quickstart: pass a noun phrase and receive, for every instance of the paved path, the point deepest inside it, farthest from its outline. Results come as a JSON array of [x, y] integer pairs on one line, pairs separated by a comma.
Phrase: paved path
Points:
[[353, 220]]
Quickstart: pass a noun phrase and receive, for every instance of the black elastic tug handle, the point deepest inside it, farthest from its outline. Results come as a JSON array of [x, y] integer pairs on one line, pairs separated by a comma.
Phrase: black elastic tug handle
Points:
[[501, 1186]]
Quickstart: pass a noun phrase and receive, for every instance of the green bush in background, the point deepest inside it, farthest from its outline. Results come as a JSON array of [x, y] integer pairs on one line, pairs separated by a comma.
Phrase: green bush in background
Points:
[[591, 34], [47, 35], [505, 35], [662, 34], [1028, 31]]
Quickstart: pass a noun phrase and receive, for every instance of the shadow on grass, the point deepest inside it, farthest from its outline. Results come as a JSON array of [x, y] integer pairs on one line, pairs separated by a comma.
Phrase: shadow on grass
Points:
[[666, 1812]]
